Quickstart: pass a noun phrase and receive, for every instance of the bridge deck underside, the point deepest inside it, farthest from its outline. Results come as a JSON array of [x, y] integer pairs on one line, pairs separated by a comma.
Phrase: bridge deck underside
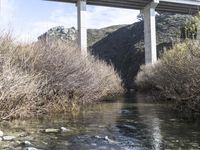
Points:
[[140, 4]]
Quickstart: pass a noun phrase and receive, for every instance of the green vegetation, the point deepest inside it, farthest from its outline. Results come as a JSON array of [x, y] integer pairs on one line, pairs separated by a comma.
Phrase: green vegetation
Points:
[[49, 78], [176, 77], [189, 31]]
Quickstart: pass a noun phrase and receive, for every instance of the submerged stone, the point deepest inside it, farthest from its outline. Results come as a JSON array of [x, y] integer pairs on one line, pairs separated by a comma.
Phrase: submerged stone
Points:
[[98, 137], [26, 143], [125, 111], [8, 138], [29, 148], [129, 126], [1, 133], [63, 129], [110, 140], [51, 130]]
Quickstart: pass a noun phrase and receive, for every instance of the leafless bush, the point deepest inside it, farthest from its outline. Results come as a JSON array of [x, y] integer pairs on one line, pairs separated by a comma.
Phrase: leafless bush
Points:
[[52, 77], [176, 76]]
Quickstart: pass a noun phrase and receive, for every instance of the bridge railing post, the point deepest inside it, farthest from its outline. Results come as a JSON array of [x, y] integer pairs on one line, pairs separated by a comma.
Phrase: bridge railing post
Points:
[[82, 28], [150, 32]]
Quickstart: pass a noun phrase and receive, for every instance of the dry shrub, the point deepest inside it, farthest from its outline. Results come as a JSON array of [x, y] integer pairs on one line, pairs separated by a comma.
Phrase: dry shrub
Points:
[[52, 77], [175, 77]]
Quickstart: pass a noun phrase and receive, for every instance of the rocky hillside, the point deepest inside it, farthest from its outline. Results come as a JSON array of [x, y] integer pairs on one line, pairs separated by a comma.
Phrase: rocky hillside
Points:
[[61, 33], [123, 45]]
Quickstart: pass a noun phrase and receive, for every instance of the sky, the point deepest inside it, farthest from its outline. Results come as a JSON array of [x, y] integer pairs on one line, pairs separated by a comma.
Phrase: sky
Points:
[[27, 19]]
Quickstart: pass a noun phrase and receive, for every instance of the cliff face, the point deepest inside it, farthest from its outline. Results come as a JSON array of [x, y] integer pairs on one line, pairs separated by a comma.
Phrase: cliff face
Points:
[[123, 45]]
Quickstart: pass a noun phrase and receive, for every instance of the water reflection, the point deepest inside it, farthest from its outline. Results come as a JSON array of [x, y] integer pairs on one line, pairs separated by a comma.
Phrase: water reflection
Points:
[[152, 121], [157, 137], [130, 123], [142, 124]]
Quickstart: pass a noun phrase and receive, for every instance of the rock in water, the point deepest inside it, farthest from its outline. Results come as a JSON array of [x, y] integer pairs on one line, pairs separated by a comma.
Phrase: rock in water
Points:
[[1, 133], [8, 138], [26, 143], [29, 148], [110, 141], [63, 129], [51, 130]]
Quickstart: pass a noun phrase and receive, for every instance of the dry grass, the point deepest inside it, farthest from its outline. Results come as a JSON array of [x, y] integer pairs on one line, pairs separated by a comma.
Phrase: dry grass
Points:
[[175, 77], [40, 78]]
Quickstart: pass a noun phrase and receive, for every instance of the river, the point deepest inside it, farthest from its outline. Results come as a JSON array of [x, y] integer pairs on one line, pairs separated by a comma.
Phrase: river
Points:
[[127, 123]]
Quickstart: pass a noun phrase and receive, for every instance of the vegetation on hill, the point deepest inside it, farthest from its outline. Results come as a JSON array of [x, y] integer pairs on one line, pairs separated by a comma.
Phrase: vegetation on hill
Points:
[[44, 78], [176, 77]]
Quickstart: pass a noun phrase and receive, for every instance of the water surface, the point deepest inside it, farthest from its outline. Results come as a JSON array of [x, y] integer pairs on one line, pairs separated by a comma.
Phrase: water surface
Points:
[[130, 123]]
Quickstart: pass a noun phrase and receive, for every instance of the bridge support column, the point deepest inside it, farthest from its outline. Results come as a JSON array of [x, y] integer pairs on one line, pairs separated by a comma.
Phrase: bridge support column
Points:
[[150, 32], [82, 29]]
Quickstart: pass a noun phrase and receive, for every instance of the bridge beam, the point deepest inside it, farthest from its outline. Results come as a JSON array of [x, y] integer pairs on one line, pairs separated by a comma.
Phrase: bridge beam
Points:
[[150, 32], [82, 28]]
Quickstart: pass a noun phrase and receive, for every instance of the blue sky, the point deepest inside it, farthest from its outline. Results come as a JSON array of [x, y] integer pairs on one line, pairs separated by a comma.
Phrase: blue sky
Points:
[[28, 19]]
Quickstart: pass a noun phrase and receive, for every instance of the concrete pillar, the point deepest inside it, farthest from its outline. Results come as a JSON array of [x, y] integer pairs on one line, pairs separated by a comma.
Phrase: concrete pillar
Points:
[[82, 29], [150, 32]]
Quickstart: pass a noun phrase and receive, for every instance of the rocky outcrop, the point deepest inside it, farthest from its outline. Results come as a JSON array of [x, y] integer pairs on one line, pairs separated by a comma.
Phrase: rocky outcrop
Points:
[[61, 33], [70, 34]]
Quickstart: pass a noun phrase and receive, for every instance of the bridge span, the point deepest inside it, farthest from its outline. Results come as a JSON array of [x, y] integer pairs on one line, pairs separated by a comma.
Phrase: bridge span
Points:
[[148, 7]]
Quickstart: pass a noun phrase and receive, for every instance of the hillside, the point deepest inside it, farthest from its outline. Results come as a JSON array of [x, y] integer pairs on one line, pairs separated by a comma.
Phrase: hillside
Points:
[[123, 45]]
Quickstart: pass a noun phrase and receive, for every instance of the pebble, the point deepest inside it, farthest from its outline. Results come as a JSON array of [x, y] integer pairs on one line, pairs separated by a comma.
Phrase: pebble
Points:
[[101, 126], [8, 138], [63, 129], [29, 148], [98, 137], [1, 133], [172, 119], [93, 144], [67, 143], [130, 127], [110, 141], [51, 130], [124, 111], [26, 143]]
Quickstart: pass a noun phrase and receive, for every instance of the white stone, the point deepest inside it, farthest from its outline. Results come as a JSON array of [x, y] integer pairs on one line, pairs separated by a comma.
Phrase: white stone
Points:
[[29, 148], [27, 143], [1, 133], [65, 129], [110, 141], [8, 138], [98, 137], [51, 130]]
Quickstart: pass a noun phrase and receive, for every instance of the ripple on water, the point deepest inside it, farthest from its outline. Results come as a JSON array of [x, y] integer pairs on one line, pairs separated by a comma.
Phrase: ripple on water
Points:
[[106, 126]]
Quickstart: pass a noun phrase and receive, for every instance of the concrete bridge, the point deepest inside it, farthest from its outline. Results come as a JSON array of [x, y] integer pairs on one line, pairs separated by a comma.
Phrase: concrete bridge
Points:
[[147, 6]]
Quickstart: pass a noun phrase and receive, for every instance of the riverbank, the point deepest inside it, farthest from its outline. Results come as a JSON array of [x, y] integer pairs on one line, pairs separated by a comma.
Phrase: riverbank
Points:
[[46, 78], [175, 77]]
